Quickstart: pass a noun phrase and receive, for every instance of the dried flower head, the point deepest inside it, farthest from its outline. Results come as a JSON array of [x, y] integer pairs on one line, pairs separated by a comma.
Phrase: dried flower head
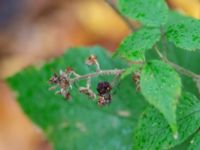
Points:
[[91, 60], [136, 80], [104, 99], [55, 79], [67, 78], [87, 92], [67, 96], [64, 93], [69, 70]]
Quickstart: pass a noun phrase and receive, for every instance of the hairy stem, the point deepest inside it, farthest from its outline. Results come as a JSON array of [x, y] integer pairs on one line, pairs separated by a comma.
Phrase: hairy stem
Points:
[[177, 67], [130, 25], [88, 83], [95, 74]]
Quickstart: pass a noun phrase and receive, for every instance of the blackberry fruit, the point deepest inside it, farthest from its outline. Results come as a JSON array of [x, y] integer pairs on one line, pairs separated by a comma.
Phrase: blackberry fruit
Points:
[[103, 87]]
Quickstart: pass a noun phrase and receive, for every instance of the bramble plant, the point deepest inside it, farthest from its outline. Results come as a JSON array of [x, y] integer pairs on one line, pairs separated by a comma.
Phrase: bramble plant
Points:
[[68, 77], [157, 56]]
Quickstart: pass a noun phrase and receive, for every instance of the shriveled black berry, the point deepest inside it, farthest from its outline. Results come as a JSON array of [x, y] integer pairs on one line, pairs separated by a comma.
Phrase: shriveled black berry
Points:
[[104, 99], [103, 87]]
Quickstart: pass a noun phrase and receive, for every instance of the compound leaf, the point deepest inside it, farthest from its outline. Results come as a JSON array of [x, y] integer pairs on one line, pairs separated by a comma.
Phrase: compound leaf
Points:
[[133, 47]]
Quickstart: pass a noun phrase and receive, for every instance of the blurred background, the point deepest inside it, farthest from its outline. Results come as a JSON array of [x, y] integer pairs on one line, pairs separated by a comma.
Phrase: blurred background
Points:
[[33, 31]]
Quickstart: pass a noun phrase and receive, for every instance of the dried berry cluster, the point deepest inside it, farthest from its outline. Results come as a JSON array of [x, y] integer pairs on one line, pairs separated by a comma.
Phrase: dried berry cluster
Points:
[[104, 89], [63, 81], [67, 78]]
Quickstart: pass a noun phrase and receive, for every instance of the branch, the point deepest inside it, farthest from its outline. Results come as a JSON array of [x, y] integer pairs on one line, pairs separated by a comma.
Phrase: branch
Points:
[[95, 74], [177, 67], [125, 19], [67, 78], [130, 25]]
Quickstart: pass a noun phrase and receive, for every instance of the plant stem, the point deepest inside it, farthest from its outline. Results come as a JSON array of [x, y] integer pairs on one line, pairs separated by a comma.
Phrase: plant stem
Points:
[[125, 19], [95, 74], [177, 67]]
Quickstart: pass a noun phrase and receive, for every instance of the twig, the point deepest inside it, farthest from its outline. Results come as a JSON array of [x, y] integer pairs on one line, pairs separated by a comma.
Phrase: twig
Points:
[[177, 67], [95, 74], [88, 84], [125, 19], [68, 77]]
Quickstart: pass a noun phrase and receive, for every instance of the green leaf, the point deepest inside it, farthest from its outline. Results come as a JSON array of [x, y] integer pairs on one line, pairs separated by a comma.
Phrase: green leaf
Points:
[[184, 32], [161, 86], [133, 47], [79, 123], [148, 12], [173, 17], [187, 59], [153, 131], [195, 142]]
